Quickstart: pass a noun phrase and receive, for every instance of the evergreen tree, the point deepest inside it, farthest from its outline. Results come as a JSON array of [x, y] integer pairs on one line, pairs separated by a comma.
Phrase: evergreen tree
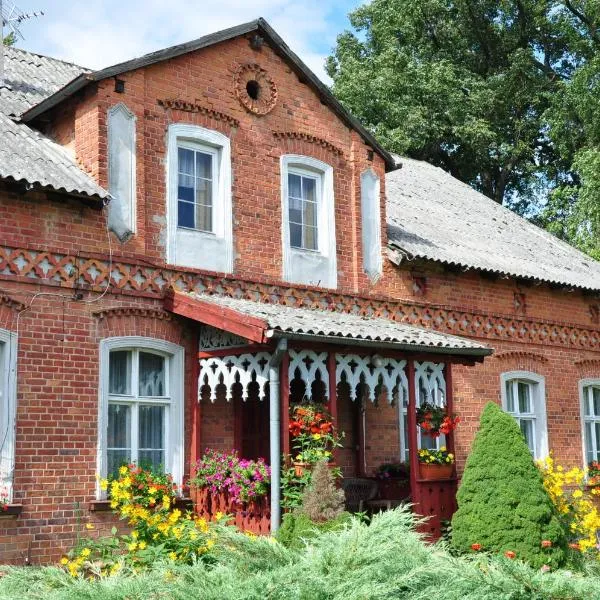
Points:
[[502, 504]]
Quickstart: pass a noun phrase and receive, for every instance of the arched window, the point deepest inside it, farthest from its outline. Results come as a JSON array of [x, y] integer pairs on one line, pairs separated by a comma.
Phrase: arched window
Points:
[[589, 394], [141, 405], [524, 397]]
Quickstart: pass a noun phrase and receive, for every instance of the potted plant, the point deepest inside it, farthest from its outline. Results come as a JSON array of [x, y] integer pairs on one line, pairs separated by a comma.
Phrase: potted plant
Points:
[[434, 420], [435, 464], [313, 436], [393, 481]]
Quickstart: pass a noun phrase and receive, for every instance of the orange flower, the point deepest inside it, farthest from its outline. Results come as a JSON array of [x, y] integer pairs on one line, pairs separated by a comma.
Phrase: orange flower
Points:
[[476, 547], [546, 544], [574, 546], [295, 428], [510, 554], [326, 427]]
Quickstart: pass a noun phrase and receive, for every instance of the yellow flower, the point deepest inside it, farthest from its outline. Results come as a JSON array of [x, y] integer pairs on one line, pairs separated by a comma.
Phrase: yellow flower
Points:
[[123, 470], [316, 436], [152, 490], [64, 560], [142, 545], [577, 494], [89, 526], [166, 502], [135, 535], [172, 555], [218, 515], [86, 552], [210, 544], [115, 568], [442, 448], [131, 547]]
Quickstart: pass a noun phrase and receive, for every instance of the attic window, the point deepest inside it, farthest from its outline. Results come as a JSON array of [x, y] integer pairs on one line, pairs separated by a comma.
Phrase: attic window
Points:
[[253, 89]]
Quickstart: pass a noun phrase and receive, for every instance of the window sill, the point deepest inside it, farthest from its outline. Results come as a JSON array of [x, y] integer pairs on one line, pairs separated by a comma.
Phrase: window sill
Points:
[[104, 505], [12, 511]]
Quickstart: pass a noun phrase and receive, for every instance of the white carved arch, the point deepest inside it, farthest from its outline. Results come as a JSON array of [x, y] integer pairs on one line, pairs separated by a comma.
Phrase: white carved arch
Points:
[[229, 370], [430, 383], [318, 364], [388, 371]]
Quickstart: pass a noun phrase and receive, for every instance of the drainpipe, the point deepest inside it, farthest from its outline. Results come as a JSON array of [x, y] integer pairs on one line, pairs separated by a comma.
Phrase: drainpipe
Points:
[[275, 432]]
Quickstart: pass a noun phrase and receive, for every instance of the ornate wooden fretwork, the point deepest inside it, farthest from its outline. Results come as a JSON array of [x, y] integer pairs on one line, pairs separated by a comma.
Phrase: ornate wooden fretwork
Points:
[[307, 364], [430, 383], [373, 372], [229, 370], [211, 338], [311, 139], [70, 271], [185, 105]]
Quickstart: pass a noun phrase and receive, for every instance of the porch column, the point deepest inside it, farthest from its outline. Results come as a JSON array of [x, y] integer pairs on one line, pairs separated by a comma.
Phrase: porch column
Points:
[[450, 409], [412, 435], [332, 401], [284, 391], [196, 433]]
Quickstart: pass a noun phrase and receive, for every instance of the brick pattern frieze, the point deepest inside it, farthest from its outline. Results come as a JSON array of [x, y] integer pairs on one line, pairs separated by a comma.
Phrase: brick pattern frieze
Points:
[[93, 274]]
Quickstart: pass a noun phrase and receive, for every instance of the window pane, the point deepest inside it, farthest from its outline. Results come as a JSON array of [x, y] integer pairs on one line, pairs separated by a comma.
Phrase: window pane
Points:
[[118, 437], [295, 235], [309, 189], [524, 390], [310, 213], [510, 399], [204, 165], [310, 237], [151, 436], [595, 450], [204, 217], [204, 192], [596, 401], [528, 432], [294, 186], [185, 214], [186, 161], [295, 210], [119, 373], [185, 187], [152, 375]]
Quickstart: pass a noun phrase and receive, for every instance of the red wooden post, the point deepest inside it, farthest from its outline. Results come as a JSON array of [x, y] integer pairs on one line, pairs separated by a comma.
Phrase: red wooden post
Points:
[[449, 408], [412, 435], [196, 433], [360, 412], [284, 393], [332, 403]]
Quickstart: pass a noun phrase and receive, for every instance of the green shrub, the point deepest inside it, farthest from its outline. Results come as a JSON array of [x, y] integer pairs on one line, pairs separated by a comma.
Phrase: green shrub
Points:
[[322, 501], [502, 504], [296, 528]]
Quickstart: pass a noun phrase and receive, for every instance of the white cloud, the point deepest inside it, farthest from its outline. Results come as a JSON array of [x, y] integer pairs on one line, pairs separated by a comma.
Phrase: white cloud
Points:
[[99, 34]]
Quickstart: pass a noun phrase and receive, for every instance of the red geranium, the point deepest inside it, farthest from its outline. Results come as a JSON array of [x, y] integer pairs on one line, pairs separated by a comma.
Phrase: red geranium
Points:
[[510, 554], [546, 544], [434, 421], [476, 547], [295, 428]]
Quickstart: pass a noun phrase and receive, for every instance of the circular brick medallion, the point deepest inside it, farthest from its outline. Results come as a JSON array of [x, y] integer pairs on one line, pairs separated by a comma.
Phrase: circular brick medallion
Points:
[[255, 89]]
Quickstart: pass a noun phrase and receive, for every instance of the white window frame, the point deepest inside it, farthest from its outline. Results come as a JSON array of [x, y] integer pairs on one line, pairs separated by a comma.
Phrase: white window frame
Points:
[[538, 398], [8, 408], [306, 266], [370, 202], [208, 250], [584, 385], [174, 432]]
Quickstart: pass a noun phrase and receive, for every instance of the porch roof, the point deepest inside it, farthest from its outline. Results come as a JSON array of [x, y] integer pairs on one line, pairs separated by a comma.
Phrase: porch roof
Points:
[[260, 322]]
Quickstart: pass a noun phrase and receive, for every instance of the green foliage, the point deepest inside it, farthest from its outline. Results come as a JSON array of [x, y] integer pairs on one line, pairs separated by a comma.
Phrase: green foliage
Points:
[[10, 39], [502, 503], [297, 529], [293, 486], [385, 560]]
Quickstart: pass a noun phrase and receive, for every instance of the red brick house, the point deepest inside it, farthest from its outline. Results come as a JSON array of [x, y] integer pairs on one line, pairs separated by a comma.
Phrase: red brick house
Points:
[[259, 246]]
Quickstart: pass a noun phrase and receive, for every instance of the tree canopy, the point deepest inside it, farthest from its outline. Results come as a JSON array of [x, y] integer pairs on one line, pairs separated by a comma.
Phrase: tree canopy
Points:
[[503, 94]]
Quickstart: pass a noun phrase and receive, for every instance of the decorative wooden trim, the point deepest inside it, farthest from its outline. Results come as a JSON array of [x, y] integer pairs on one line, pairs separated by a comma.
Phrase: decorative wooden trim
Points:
[[311, 139], [134, 311], [11, 303], [187, 106], [521, 354]]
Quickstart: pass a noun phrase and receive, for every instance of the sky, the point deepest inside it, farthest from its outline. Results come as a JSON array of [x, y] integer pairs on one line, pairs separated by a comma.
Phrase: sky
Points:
[[97, 34]]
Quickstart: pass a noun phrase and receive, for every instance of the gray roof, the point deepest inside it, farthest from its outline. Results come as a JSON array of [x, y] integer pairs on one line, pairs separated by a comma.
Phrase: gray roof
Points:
[[261, 27], [25, 154], [287, 321], [431, 215]]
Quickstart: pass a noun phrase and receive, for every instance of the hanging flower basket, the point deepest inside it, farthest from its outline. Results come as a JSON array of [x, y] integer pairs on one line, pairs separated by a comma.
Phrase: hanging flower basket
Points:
[[434, 421]]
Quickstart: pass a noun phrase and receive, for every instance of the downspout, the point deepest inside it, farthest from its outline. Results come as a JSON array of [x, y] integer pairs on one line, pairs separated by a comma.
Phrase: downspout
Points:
[[275, 432]]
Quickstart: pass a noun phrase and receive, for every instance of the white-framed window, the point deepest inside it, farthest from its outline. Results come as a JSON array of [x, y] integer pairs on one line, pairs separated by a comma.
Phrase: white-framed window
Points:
[[403, 426], [371, 224], [524, 397], [308, 221], [430, 387], [141, 405], [8, 409], [589, 394], [199, 211], [121, 171]]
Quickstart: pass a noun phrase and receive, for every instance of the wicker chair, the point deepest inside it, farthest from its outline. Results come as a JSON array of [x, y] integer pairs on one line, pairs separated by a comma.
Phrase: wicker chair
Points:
[[358, 492]]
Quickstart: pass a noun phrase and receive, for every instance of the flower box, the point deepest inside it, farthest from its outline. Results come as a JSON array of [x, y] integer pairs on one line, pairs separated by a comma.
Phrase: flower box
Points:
[[434, 472]]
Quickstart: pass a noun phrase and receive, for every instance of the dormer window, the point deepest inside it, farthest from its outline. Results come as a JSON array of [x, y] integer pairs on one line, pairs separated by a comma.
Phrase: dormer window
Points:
[[308, 227], [199, 199]]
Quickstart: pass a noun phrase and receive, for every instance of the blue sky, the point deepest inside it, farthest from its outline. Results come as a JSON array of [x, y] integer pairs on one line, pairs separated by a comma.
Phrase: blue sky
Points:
[[98, 34]]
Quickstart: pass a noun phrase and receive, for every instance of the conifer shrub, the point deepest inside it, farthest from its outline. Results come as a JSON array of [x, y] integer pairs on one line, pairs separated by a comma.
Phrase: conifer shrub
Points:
[[502, 504], [322, 500]]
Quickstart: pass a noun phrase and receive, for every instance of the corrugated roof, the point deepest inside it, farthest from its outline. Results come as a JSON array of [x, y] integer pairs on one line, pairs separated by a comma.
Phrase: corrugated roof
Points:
[[432, 215], [25, 154], [283, 321], [261, 27]]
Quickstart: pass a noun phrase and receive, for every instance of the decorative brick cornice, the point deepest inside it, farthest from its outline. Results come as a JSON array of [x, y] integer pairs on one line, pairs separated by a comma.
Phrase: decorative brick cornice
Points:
[[134, 311], [130, 278], [11, 303], [520, 354], [311, 139], [587, 362], [187, 106]]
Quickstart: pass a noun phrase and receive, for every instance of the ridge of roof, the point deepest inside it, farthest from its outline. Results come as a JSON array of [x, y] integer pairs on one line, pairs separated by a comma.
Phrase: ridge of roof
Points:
[[260, 25], [431, 215]]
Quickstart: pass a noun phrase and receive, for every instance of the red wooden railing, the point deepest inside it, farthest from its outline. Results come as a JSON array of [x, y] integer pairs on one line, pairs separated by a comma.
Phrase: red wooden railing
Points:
[[254, 517]]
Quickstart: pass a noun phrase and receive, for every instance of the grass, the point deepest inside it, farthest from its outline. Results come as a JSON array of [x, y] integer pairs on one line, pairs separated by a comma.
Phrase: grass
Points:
[[384, 560]]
